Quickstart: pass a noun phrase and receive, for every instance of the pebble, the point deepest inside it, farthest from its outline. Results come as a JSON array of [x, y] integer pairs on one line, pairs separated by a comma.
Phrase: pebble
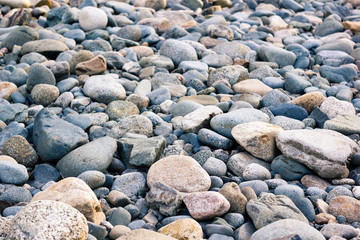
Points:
[[91, 18]]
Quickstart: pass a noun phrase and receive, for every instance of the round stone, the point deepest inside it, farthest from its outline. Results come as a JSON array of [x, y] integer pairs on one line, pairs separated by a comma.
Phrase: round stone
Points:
[[121, 109], [255, 171], [48, 219], [180, 172], [21, 150], [91, 18], [39, 74], [94, 179], [44, 94]]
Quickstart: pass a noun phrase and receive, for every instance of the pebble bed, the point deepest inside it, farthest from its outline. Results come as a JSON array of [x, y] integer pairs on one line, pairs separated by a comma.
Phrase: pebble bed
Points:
[[180, 119]]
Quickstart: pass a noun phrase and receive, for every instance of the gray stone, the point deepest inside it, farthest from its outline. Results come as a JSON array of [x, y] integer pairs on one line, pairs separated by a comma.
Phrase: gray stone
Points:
[[137, 124], [323, 151], [215, 167], [12, 112], [131, 184], [328, 27], [120, 216], [121, 109], [289, 169], [158, 61], [338, 74], [295, 83], [19, 37], [238, 162], [141, 152], [342, 230], [39, 74], [47, 47], [94, 179], [184, 107], [288, 229], [270, 208], [96, 155], [278, 55], [16, 195], [333, 107], [178, 51], [231, 74], [258, 186], [232, 49], [287, 123], [12, 129]]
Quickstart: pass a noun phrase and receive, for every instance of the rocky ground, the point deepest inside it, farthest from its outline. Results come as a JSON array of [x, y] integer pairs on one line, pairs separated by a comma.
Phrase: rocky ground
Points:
[[179, 119]]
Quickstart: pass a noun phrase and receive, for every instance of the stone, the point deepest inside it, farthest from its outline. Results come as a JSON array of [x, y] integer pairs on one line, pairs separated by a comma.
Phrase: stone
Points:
[[178, 51], [164, 198], [94, 179], [48, 47], [338, 74], [232, 49], [20, 149], [11, 171], [345, 124], [54, 138], [141, 152], [183, 229], [96, 155], [328, 27], [231, 191], [132, 184], [206, 205], [255, 171], [144, 234], [199, 118], [295, 83], [16, 3], [274, 97], [270, 208], [118, 231], [48, 219], [104, 89], [6, 89], [335, 229], [39, 74], [323, 151], [289, 110], [182, 170], [19, 36], [238, 162], [44, 94], [213, 139], [118, 199], [215, 167], [137, 124], [91, 18], [121, 109], [333, 107], [119, 216], [345, 206], [224, 123], [258, 138], [252, 86], [80, 56], [12, 129], [309, 100], [287, 229], [278, 55], [154, 4], [5, 224], [287, 123], [231, 74], [76, 193], [289, 169], [95, 66], [201, 99]]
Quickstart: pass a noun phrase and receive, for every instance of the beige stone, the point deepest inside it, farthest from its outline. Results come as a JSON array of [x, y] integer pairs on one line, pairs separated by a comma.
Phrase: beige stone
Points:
[[251, 86], [142, 51], [309, 100], [77, 194], [202, 99], [200, 118], [144, 234], [258, 138], [16, 3], [6, 89], [185, 229], [231, 191], [179, 172], [346, 206]]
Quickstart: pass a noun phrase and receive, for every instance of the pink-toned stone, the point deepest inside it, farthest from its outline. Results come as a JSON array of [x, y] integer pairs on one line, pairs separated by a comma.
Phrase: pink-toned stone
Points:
[[142, 51], [6, 89], [206, 205], [95, 66], [346, 206]]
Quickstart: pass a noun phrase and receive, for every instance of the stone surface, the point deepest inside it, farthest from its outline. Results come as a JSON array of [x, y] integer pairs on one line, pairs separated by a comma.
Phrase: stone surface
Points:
[[270, 208], [199, 118], [6, 89], [251, 86], [91, 18], [345, 124], [76, 193], [144, 234], [206, 205], [95, 66], [179, 172], [258, 138], [96, 155], [183, 229], [232, 192], [345, 206], [44, 94], [333, 107], [48, 219], [21, 150], [323, 151]]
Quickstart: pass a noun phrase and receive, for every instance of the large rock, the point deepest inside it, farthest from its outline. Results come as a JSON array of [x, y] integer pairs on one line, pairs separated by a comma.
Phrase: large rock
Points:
[[270, 208], [258, 138], [206, 205], [96, 155], [48, 47], [287, 229], [19, 36], [199, 118], [278, 55], [104, 89], [333, 107], [323, 151], [224, 123], [48, 220], [54, 138], [179, 172], [144, 234], [77, 194], [141, 152], [178, 51]]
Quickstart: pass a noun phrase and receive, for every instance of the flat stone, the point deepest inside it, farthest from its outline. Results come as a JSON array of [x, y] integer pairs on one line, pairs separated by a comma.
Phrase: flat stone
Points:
[[270, 208], [16, 3], [95, 66], [178, 51], [201, 99], [232, 49], [258, 138], [76, 193], [183, 229], [309, 100], [238, 163], [206, 205], [96, 155], [132, 184], [345, 124], [137, 124], [47, 47], [121, 109], [323, 151], [251, 86], [342, 230], [287, 229], [231, 74], [11, 172], [333, 107], [199, 118], [278, 55], [182, 170], [44, 219], [39, 74], [289, 169]]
